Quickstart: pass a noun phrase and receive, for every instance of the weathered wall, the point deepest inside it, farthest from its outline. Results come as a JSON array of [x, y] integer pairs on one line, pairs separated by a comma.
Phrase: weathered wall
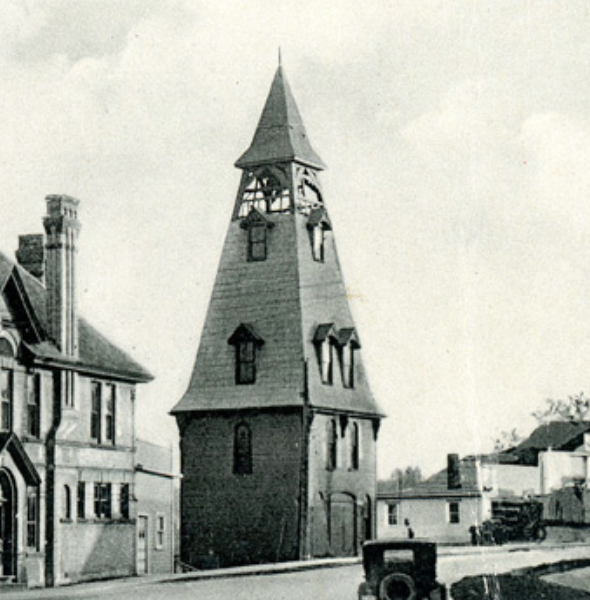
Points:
[[336, 526], [156, 497], [429, 519], [94, 550], [236, 519]]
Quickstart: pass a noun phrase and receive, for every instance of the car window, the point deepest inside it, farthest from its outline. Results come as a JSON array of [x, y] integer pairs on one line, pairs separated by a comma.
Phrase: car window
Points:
[[396, 556]]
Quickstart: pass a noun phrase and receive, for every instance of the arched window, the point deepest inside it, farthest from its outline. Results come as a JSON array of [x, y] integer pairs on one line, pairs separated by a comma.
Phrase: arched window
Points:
[[242, 450], [6, 348], [354, 447], [332, 445], [67, 503]]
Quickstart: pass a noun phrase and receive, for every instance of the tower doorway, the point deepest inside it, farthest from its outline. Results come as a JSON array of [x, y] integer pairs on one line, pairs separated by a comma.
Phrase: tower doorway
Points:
[[7, 525]]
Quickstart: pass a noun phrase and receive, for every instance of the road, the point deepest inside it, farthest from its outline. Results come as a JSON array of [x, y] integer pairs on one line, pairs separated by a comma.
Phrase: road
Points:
[[316, 584]]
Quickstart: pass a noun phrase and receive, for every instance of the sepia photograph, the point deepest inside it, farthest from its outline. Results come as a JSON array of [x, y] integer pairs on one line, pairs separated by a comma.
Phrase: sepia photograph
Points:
[[295, 299]]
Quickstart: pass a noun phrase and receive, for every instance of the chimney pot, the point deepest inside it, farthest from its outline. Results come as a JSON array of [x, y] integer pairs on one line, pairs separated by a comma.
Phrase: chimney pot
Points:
[[453, 472], [31, 254]]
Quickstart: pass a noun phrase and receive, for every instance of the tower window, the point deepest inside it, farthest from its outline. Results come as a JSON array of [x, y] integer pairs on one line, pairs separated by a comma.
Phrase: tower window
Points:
[[348, 342], [246, 341], [332, 445], [324, 339], [245, 362], [318, 243], [317, 224], [242, 450], [257, 242]]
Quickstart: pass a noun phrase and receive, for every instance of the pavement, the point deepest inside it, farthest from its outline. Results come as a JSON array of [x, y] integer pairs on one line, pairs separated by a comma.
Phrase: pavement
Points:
[[121, 584]]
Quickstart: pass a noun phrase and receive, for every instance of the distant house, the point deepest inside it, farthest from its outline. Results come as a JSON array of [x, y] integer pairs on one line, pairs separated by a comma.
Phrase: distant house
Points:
[[446, 505], [67, 411], [156, 492], [552, 464]]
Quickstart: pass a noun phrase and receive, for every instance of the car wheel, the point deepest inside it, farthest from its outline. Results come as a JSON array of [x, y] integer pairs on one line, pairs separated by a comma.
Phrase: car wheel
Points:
[[397, 586]]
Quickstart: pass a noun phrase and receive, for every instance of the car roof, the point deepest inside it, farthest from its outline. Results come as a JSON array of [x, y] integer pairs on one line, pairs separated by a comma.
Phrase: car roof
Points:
[[397, 544]]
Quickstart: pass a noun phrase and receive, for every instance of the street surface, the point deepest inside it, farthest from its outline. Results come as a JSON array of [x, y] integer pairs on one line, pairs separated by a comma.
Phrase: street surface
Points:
[[317, 584]]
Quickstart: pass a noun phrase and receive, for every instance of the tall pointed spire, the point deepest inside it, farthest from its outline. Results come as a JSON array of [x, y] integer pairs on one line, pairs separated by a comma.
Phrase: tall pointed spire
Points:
[[280, 135]]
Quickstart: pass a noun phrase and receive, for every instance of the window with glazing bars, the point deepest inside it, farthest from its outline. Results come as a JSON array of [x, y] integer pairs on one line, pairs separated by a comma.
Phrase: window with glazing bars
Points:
[[110, 413], [34, 405], [257, 242], [5, 400], [96, 414], [102, 500]]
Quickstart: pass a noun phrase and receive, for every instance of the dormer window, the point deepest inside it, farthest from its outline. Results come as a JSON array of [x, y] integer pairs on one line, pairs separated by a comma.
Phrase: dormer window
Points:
[[247, 342], [257, 243], [324, 340], [348, 342], [257, 226], [317, 224]]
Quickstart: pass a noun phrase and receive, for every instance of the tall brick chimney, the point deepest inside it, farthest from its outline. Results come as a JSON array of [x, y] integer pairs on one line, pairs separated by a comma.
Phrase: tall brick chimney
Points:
[[31, 254], [453, 472], [62, 228]]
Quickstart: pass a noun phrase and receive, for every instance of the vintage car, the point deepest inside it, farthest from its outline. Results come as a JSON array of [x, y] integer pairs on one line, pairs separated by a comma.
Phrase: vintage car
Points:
[[400, 570]]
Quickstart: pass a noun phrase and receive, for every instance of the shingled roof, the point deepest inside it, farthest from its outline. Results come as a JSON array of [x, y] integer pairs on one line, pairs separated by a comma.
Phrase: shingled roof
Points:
[[556, 435], [435, 486], [280, 135], [96, 353]]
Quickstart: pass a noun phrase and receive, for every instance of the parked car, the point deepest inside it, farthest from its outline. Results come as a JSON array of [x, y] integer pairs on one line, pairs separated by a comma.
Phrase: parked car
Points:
[[513, 520], [400, 570]]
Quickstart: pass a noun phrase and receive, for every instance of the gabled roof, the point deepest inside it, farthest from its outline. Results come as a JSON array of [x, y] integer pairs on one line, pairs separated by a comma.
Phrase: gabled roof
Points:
[[435, 486], [349, 335], [558, 435], [96, 353], [319, 216], [323, 332], [245, 332], [10, 443], [254, 217], [280, 135]]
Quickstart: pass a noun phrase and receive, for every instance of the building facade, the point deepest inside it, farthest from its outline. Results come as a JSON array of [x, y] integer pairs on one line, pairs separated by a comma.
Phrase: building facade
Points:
[[156, 492], [445, 506], [67, 406], [278, 426]]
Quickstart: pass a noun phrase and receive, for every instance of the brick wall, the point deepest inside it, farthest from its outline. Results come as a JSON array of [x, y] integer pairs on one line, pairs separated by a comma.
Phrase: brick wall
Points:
[[237, 519]]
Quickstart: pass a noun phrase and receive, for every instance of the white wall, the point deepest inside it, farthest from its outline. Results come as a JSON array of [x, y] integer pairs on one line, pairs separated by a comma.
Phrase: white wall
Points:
[[561, 468], [429, 518]]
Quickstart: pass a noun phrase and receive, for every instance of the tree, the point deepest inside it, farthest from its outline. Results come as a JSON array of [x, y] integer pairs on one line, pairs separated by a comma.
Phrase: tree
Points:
[[507, 439], [575, 409], [406, 478]]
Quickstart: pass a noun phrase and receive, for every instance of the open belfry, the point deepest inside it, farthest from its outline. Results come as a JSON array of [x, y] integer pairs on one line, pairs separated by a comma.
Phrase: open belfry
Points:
[[278, 425]]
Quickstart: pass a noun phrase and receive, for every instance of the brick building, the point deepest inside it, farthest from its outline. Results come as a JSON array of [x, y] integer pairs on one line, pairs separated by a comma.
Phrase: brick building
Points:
[[278, 426], [67, 405]]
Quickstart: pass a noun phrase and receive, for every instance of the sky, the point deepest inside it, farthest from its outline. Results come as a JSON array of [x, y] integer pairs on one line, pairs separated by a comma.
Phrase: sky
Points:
[[457, 139]]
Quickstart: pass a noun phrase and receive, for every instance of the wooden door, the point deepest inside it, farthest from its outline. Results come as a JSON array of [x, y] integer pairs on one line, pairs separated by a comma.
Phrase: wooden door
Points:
[[142, 544]]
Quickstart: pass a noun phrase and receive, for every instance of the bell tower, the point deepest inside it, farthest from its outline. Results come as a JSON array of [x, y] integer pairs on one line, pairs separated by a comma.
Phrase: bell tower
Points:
[[278, 425]]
